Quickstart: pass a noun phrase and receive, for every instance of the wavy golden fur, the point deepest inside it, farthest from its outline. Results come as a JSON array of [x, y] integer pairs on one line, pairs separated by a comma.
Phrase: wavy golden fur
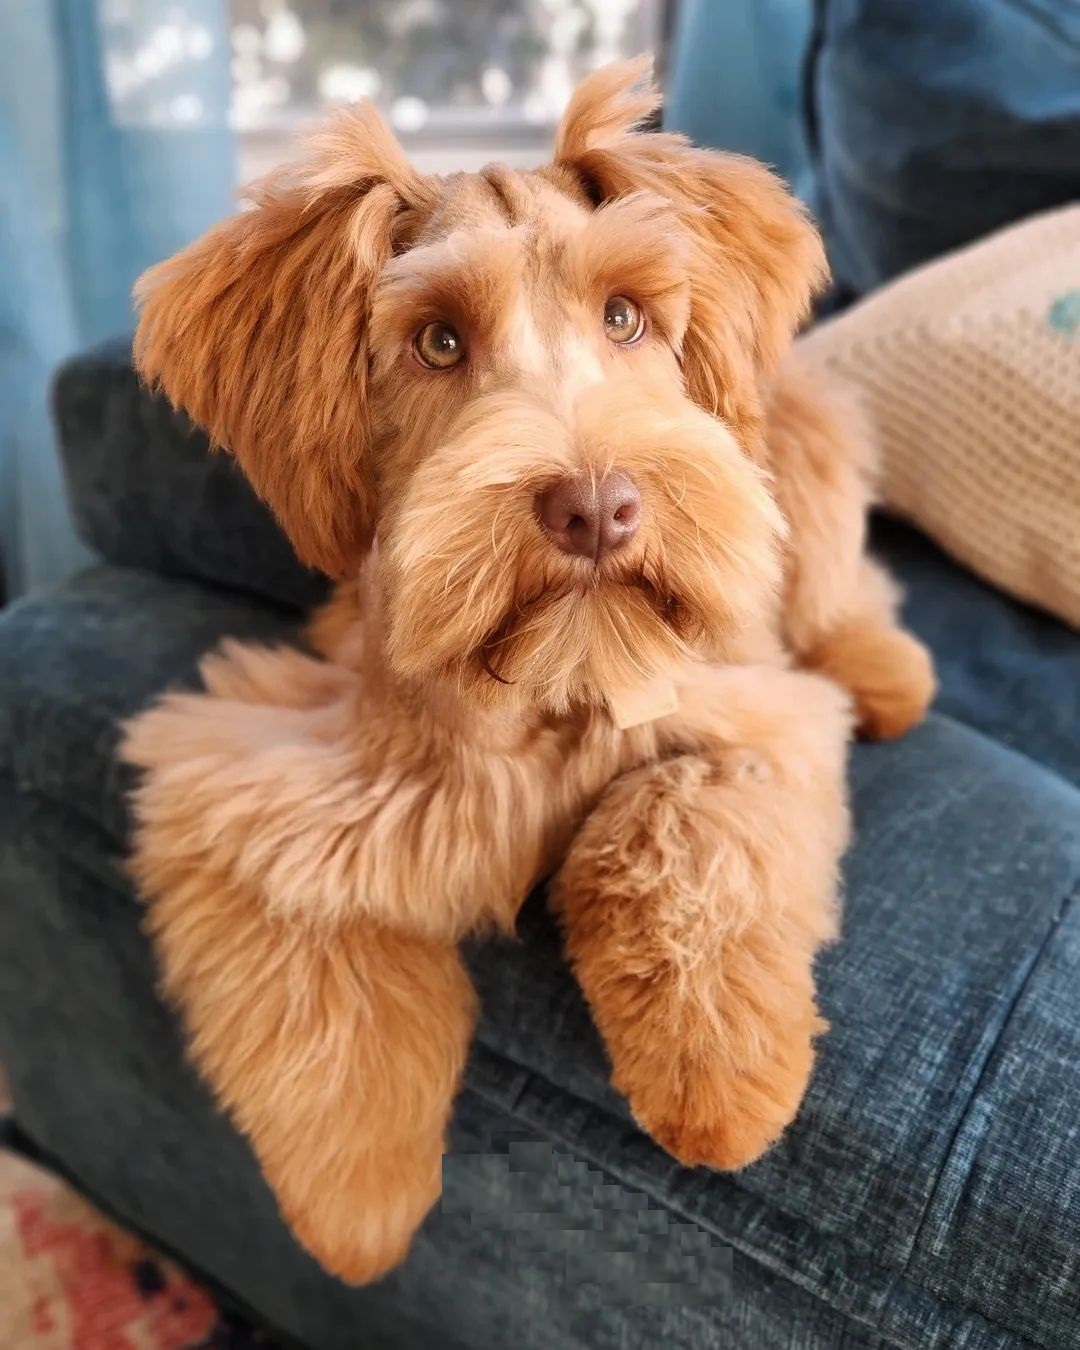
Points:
[[316, 834]]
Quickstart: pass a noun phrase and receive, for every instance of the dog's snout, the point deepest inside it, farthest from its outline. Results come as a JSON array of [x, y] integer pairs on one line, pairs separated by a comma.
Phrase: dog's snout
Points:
[[591, 517]]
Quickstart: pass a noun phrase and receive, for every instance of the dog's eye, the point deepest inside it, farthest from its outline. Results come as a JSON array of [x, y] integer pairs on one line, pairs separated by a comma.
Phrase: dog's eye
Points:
[[623, 321], [439, 346]]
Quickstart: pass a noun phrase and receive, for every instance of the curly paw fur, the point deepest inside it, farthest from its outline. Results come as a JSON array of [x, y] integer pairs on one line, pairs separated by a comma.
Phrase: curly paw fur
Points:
[[693, 902], [888, 672]]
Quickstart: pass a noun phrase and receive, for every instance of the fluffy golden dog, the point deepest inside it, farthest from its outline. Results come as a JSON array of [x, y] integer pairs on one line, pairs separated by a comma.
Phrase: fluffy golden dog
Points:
[[589, 525]]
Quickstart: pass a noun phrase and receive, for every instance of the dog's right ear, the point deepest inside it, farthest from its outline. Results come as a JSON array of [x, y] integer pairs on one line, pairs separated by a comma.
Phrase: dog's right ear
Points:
[[258, 330]]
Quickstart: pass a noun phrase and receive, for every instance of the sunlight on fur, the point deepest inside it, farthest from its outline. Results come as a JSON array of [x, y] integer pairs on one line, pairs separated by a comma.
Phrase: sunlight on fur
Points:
[[544, 429]]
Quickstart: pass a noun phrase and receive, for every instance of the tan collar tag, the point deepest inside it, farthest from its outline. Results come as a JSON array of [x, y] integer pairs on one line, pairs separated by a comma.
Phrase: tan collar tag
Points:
[[643, 703]]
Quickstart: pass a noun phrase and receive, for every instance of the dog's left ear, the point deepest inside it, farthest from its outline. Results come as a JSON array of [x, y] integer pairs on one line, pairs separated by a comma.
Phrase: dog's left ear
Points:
[[755, 259], [258, 331]]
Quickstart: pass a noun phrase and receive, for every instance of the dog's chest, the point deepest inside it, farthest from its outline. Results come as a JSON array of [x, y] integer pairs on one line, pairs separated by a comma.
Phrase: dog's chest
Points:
[[461, 843]]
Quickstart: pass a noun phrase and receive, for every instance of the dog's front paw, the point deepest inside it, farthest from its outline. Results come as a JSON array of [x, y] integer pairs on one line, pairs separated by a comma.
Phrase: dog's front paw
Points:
[[707, 1111], [888, 672], [693, 901], [360, 1225], [691, 921]]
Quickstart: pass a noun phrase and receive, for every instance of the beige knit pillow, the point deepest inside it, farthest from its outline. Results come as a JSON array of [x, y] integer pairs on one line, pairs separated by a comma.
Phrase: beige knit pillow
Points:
[[970, 368]]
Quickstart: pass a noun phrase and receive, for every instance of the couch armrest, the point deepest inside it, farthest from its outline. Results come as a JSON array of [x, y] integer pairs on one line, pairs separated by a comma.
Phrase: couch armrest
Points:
[[146, 492]]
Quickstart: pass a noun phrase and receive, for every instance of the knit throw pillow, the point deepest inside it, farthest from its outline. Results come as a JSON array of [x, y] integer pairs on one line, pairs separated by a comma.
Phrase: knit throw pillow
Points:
[[970, 369]]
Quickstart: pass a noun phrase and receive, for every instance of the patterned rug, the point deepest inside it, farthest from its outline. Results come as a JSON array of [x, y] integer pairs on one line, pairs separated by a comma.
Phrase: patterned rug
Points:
[[72, 1280]]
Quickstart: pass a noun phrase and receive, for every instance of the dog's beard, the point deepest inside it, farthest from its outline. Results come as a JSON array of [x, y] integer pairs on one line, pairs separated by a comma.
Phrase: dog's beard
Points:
[[476, 592]]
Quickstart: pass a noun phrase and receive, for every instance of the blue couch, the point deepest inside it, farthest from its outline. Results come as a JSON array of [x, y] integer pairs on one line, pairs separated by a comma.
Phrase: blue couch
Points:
[[928, 1194]]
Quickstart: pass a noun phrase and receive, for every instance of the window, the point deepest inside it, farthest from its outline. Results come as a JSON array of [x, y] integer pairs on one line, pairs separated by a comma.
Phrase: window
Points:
[[461, 81]]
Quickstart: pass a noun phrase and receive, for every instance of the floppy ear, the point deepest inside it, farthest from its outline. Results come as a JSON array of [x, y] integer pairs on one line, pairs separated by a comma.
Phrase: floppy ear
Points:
[[755, 259], [258, 331]]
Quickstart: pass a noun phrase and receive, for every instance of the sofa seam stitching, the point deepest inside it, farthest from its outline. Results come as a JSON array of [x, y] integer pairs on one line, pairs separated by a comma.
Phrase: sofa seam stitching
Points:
[[973, 729], [984, 1068]]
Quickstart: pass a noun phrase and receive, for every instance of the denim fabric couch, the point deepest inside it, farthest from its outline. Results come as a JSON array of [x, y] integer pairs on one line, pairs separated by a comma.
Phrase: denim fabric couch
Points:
[[928, 1194]]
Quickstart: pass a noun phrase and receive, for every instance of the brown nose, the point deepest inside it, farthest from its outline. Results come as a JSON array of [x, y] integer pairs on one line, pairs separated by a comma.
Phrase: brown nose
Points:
[[591, 517]]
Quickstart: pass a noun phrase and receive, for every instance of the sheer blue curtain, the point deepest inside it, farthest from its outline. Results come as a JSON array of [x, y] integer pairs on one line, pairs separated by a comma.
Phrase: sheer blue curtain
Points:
[[114, 152]]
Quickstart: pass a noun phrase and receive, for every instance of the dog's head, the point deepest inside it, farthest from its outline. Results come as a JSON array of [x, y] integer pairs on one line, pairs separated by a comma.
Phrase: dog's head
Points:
[[541, 392]]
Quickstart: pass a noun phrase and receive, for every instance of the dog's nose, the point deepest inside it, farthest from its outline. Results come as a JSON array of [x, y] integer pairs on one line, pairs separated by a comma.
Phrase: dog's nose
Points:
[[591, 517]]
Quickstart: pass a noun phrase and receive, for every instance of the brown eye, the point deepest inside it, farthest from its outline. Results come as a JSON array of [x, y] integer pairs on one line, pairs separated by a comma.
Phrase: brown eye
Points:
[[623, 321], [439, 346]]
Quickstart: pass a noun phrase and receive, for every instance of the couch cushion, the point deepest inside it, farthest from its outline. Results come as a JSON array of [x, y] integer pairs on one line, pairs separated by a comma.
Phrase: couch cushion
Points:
[[929, 1188], [1011, 671], [933, 123], [146, 492]]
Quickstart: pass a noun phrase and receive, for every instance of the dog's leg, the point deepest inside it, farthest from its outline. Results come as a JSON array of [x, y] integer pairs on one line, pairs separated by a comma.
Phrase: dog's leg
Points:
[[693, 901], [840, 609], [337, 1053], [326, 818], [889, 673], [334, 1042]]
